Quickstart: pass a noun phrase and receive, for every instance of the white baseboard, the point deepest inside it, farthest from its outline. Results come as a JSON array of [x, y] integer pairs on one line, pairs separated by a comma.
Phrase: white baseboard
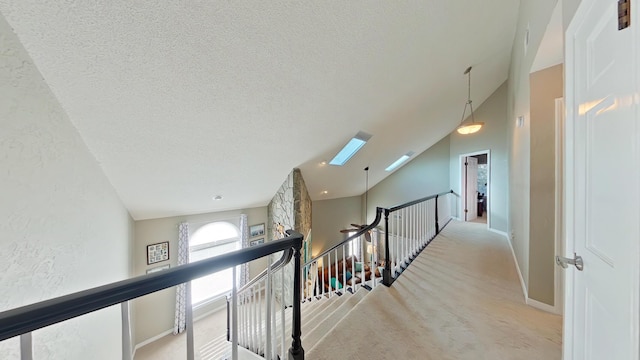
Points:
[[170, 331], [152, 339], [515, 260], [542, 306], [500, 232], [213, 310], [533, 303]]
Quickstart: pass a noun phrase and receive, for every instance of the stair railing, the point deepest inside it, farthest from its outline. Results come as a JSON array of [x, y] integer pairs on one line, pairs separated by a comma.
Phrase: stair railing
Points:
[[348, 266], [410, 227], [262, 316], [353, 264], [24, 320], [264, 313]]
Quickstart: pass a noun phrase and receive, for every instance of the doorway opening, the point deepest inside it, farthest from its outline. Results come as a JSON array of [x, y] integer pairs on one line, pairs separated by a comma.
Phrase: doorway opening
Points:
[[475, 184]]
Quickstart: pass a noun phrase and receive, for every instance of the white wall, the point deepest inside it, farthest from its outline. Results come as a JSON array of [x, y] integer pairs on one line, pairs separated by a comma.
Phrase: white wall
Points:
[[62, 226], [535, 15], [154, 313], [492, 136]]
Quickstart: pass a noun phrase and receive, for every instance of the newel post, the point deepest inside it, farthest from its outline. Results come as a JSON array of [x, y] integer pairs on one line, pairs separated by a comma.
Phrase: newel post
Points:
[[386, 276], [296, 352]]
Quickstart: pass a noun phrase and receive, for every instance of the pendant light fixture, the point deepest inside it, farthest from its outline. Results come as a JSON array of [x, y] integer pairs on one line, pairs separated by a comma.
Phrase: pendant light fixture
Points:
[[473, 126]]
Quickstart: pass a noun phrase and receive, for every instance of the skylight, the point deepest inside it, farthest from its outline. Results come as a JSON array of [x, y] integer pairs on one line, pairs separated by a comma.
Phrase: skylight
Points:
[[400, 161], [352, 147]]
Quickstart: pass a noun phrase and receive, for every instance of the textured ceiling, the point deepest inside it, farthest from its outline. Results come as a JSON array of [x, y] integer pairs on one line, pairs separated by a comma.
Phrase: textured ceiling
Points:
[[183, 100]]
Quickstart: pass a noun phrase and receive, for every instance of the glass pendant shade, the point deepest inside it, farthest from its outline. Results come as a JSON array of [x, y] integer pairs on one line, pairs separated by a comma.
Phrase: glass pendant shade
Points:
[[469, 128]]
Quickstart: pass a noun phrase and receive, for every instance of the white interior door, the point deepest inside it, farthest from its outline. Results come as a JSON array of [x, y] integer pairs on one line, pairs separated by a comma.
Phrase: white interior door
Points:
[[602, 182], [470, 179]]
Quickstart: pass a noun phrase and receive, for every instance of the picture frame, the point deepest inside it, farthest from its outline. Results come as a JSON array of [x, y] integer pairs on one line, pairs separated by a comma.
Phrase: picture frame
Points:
[[158, 268], [157, 252], [256, 242], [256, 230]]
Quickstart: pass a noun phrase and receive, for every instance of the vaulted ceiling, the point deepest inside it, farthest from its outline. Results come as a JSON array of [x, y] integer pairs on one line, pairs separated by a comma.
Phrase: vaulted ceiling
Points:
[[183, 100]]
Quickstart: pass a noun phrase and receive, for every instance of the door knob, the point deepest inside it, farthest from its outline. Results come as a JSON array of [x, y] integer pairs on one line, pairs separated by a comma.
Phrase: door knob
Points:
[[565, 262]]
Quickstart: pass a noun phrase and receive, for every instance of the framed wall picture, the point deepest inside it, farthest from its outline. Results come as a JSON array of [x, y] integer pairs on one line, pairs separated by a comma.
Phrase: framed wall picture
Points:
[[157, 252], [256, 242], [256, 230]]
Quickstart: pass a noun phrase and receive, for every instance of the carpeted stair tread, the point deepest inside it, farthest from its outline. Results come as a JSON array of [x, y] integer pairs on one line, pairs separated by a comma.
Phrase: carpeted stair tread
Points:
[[215, 349], [331, 318], [315, 306], [320, 313]]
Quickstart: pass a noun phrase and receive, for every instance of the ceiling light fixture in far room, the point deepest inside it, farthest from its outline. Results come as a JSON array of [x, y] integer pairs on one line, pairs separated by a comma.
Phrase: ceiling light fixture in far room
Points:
[[473, 126], [217, 197], [352, 147], [400, 161]]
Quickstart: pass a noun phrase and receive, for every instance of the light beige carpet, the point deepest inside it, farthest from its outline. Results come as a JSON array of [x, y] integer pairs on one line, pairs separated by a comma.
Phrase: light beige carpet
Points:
[[460, 299], [208, 333]]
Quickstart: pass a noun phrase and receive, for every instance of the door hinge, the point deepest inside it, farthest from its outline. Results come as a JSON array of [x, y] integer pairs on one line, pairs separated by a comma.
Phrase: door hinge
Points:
[[624, 14]]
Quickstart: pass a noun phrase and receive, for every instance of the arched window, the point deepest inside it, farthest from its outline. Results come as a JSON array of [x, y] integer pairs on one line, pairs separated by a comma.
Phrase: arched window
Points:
[[211, 240]]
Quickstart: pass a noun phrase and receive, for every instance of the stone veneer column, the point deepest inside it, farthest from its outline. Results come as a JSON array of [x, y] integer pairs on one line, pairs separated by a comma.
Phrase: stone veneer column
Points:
[[290, 208]]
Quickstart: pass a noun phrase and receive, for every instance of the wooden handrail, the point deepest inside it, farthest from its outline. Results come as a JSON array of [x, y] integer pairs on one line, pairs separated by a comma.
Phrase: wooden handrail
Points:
[[28, 318]]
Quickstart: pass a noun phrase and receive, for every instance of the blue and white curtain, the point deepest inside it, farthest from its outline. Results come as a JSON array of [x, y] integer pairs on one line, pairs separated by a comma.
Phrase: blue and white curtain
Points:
[[244, 240], [181, 290], [183, 258]]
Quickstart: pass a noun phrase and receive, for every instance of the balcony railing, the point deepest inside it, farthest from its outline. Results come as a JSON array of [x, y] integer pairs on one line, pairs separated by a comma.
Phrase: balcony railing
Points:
[[24, 320], [258, 319], [410, 227]]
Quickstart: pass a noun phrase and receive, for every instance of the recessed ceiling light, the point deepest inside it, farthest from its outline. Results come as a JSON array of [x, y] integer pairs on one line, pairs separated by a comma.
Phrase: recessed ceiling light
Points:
[[217, 197], [323, 163], [325, 192], [400, 161], [352, 147]]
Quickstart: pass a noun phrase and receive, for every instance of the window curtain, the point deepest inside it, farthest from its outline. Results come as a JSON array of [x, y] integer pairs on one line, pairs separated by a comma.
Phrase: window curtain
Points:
[[181, 290], [244, 240], [183, 258]]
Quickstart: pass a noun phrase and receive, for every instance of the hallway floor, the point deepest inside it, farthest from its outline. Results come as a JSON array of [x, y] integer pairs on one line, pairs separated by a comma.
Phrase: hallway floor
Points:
[[460, 299], [481, 219]]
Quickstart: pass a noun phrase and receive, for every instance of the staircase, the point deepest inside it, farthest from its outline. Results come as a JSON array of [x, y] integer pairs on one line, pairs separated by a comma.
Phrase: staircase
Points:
[[331, 285], [319, 316]]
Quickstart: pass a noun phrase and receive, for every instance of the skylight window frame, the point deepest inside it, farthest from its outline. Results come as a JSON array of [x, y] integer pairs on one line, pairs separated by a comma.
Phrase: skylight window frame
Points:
[[401, 160], [350, 149]]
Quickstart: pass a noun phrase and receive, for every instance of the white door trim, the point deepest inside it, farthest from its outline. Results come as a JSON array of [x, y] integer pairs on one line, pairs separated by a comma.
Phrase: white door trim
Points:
[[568, 208], [558, 275], [461, 182]]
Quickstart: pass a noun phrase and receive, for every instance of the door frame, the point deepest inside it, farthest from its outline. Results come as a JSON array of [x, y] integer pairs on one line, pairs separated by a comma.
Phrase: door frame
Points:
[[568, 178], [558, 303], [461, 182]]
